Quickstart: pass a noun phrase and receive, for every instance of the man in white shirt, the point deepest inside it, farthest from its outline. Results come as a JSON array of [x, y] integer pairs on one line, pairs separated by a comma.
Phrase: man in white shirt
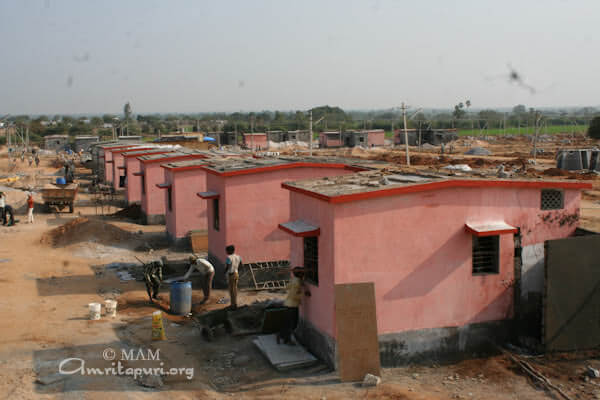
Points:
[[232, 265], [205, 268]]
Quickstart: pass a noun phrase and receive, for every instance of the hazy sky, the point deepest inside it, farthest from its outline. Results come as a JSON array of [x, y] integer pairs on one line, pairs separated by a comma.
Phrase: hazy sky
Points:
[[78, 56]]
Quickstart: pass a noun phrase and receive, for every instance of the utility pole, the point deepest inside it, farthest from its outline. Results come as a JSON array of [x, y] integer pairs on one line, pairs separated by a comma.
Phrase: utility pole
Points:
[[404, 107], [537, 120], [310, 132]]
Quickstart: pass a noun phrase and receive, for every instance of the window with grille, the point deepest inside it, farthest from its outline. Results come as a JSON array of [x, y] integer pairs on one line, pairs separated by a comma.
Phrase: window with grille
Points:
[[486, 255], [170, 198], [552, 199], [216, 214], [311, 259]]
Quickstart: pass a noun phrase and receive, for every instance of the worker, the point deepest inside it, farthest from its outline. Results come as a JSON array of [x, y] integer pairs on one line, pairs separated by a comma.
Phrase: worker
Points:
[[205, 268], [30, 208], [2, 207], [232, 265], [30, 160], [295, 290], [37, 160], [9, 216], [153, 277]]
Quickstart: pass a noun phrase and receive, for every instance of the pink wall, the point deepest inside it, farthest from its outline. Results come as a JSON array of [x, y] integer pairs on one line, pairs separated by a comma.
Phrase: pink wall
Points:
[[318, 308], [153, 199], [415, 249], [251, 207], [376, 138], [189, 210], [133, 191], [118, 161], [256, 142], [108, 171], [217, 240], [327, 141]]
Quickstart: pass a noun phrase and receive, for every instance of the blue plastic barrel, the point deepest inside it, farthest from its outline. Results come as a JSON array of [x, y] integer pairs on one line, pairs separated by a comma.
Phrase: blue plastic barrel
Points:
[[61, 181], [181, 297]]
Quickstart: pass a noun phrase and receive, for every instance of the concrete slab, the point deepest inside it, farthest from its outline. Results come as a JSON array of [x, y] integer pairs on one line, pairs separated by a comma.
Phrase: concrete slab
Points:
[[283, 356]]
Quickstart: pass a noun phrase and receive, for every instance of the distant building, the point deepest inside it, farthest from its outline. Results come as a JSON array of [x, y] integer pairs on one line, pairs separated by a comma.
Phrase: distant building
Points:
[[256, 141], [330, 139], [56, 142], [365, 138], [192, 141], [417, 137], [84, 143]]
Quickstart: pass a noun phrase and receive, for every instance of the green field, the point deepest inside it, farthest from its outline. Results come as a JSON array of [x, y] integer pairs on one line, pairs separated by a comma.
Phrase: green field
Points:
[[544, 130]]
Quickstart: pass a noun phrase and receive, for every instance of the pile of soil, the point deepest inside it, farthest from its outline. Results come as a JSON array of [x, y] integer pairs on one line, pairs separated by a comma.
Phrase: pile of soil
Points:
[[86, 230], [556, 172], [133, 211]]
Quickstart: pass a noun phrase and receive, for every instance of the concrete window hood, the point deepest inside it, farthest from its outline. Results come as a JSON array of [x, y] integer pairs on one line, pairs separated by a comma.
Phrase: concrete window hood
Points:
[[300, 228], [489, 228]]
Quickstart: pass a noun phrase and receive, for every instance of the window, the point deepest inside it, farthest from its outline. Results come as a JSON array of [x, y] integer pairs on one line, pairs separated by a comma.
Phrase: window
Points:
[[552, 199], [143, 184], [170, 198], [216, 214], [311, 259], [486, 255]]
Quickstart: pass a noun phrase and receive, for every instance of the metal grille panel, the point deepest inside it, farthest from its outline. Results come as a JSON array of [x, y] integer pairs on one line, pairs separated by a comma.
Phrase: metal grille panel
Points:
[[311, 258], [486, 254], [552, 199]]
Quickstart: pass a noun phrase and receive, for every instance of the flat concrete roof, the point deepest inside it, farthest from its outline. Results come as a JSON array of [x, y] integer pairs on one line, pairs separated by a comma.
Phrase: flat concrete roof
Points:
[[388, 182], [174, 154], [244, 164]]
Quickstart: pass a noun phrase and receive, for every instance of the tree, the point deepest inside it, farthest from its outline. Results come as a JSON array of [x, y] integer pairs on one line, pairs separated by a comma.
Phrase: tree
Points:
[[594, 128], [459, 111], [127, 112], [519, 109]]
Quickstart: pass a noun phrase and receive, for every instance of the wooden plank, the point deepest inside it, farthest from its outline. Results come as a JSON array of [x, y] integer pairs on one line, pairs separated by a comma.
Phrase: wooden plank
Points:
[[356, 321]]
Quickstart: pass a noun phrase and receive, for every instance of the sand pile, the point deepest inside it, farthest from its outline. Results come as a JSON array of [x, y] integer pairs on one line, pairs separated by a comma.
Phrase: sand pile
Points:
[[133, 211], [86, 230]]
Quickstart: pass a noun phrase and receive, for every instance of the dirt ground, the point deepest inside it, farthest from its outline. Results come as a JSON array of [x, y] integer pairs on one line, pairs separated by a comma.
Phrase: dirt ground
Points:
[[52, 269]]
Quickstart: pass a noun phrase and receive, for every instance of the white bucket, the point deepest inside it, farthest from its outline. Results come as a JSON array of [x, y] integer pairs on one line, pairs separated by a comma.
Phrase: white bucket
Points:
[[111, 308], [95, 310]]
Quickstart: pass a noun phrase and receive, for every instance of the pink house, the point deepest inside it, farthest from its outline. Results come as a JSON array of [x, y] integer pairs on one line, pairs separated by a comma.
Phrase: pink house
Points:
[[152, 198], [246, 201], [256, 141], [441, 253], [330, 139], [184, 211], [131, 169], [107, 156], [118, 162]]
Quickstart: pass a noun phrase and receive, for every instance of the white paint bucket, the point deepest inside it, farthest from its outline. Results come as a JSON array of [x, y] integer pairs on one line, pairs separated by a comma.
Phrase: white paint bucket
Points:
[[95, 310], [111, 308]]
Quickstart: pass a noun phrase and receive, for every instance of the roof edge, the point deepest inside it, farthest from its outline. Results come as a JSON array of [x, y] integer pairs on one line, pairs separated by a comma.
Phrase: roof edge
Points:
[[452, 183]]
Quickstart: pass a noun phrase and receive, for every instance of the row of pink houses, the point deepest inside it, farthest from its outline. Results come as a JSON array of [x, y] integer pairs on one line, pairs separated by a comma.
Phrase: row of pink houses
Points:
[[130, 164], [153, 199], [106, 158], [245, 202], [439, 250]]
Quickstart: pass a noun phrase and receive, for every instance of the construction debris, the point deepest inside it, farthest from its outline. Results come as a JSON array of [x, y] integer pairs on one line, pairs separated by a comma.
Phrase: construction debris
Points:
[[371, 380], [282, 356]]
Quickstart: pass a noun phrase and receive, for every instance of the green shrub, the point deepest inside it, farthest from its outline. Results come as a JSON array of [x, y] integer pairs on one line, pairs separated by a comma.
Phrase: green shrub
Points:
[[594, 128]]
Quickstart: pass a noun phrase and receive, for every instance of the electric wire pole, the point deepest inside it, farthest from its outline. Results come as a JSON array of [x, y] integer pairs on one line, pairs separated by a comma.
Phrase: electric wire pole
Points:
[[310, 132], [404, 107]]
